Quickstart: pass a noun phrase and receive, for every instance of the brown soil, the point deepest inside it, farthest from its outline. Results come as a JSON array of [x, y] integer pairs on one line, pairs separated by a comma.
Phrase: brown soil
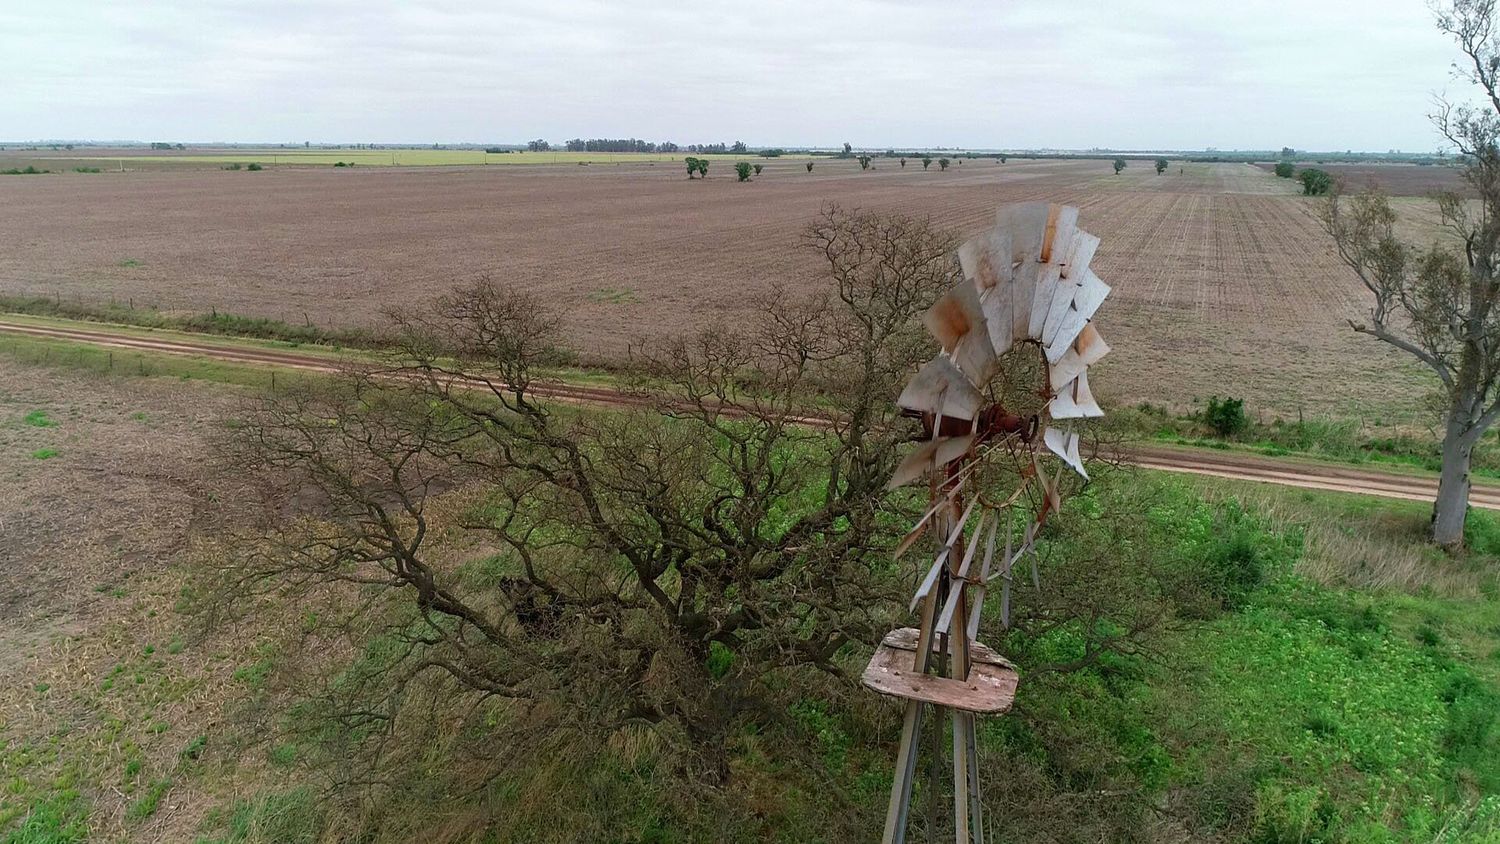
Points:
[[1223, 282]]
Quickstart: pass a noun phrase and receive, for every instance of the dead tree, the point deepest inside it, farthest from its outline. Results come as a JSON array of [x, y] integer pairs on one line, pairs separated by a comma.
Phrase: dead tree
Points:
[[1437, 304]]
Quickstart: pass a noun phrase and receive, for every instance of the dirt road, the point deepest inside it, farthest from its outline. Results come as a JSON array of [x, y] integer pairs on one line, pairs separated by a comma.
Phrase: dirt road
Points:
[[1239, 466]]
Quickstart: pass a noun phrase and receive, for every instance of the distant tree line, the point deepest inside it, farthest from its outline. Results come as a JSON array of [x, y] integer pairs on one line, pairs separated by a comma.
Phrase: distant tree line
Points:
[[638, 145]]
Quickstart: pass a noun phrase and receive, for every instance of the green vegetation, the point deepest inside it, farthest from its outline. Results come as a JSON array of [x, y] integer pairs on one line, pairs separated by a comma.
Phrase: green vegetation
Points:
[[87, 170], [1161, 166], [1225, 417], [1285, 169], [758, 167], [289, 817], [926, 161], [696, 165], [864, 162], [942, 163], [1119, 165], [233, 166], [809, 166], [146, 805], [1286, 701], [254, 166], [28, 170], [45, 453], [1315, 182], [38, 419], [742, 171]]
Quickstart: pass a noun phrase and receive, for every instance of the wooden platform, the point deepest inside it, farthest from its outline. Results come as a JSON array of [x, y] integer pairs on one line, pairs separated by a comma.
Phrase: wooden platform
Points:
[[990, 688]]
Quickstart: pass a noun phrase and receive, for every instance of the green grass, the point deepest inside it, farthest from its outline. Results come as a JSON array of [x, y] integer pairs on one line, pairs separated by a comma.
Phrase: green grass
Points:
[[28, 170], [284, 817], [38, 419], [45, 453], [59, 818], [146, 805]]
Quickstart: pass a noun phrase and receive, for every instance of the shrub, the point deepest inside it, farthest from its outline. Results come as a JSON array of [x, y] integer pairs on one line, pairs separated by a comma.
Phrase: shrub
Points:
[[809, 166], [1285, 169], [903, 162], [1161, 166], [864, 162], [742, 170], [339, 164], [1119, 165], [1226, 417], [943, 163], [87, 170], [926, 162], [254, 166], [1315, 182], [234, 166], [757, 168], [28, 170]]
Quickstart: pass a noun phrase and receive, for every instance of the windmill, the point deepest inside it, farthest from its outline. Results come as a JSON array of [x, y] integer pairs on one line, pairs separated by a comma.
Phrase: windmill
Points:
[[1026, 303]]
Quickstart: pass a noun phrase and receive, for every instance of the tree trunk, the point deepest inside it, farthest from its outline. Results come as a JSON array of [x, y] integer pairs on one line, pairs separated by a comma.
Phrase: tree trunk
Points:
[[1452, 505]]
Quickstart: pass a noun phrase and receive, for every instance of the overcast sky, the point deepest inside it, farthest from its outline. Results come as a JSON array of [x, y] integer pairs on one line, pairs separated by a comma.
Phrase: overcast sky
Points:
[[1253, 74]]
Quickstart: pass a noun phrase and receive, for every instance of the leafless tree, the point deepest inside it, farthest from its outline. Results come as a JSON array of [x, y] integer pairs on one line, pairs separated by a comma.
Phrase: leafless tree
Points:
[[655, 565], [1438, 303]]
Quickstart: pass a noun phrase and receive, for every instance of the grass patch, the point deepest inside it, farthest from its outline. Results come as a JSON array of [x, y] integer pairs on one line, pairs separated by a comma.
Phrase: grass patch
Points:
[[59, 818], [214, 322], [146, 805], [38, 419], [285, 817], [45, 453], [28, 170]]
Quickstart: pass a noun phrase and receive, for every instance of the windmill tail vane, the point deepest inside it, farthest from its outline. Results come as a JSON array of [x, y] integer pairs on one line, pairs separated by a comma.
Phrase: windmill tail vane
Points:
[[1026, 282]]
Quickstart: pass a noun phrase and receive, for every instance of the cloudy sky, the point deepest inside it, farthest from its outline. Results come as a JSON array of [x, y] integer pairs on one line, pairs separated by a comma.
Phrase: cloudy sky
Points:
[[1139, 74]]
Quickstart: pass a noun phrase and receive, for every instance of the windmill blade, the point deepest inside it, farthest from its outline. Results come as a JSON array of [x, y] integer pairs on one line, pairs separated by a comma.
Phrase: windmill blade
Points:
[[1074, 400], [1057, 237], [958, 323], [954, 316], [1080, 252], [1064, 444], [1086, 301], [929, 456], [942, 557], [1085, 352], [941, 389], [945, 619], [987, 260]]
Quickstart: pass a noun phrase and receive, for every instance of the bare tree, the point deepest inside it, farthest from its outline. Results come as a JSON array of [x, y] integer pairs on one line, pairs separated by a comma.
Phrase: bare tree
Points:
[[653, 566], [1437, 304]]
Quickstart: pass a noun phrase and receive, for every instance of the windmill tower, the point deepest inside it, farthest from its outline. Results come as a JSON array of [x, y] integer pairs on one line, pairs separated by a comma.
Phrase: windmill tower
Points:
[[1027, 298]]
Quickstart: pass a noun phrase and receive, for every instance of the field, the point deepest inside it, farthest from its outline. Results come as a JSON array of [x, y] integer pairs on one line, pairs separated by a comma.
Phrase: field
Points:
[[217, 158], [1223, 281], [1393, 179]]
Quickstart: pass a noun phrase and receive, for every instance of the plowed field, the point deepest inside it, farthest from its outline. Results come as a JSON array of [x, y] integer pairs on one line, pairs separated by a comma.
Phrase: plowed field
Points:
[[1223, 282]]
